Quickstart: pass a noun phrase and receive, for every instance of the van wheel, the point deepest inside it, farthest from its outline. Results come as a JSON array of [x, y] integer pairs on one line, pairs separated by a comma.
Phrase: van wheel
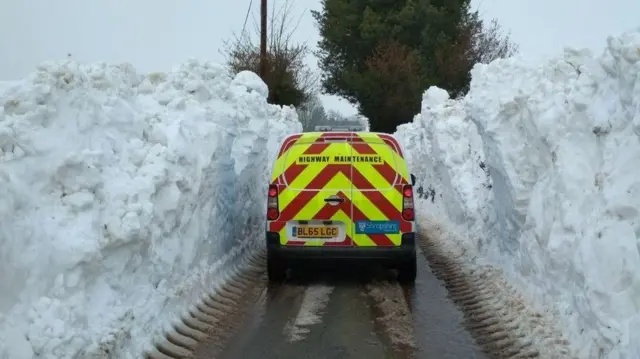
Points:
[[407, 271], [276, 269]]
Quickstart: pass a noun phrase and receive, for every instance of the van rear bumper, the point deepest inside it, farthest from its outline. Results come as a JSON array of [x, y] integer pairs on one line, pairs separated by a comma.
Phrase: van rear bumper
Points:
[[404, 252]]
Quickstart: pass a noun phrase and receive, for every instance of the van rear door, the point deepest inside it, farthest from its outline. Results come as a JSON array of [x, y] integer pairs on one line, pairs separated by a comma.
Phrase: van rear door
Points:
[[315, 198], [377, 183]]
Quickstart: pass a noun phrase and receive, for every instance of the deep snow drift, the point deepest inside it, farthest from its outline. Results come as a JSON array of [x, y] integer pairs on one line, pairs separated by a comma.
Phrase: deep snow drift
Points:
[[541, 165], [119, 196]]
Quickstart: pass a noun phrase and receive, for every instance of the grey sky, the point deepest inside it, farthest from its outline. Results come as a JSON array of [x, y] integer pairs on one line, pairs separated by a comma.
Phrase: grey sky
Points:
[[154, 35], [543, 27]]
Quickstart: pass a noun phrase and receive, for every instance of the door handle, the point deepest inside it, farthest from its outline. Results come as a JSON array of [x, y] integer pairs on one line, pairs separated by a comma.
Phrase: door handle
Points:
[[334, 199]]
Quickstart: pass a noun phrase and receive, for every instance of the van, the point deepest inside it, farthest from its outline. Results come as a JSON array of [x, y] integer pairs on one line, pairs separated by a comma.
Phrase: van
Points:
[[341, 195]]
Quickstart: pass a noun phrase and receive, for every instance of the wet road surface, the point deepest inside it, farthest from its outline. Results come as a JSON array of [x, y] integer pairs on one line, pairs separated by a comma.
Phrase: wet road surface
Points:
[[438, 322], [340, 313]]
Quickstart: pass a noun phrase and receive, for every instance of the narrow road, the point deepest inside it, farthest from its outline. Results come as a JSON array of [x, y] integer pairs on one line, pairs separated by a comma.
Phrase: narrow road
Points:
[[341, 313]]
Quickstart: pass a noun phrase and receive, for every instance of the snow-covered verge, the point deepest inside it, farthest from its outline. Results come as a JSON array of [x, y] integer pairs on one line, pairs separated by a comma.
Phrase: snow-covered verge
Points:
[[120, 195], [541, 167]]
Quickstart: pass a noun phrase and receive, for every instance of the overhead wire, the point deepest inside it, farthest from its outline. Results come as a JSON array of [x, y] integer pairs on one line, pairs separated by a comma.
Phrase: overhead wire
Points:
[[244, 26]]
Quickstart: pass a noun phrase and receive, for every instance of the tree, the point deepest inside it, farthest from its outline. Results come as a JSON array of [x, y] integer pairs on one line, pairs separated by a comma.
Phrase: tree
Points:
[[381, 54], [334, 116], [393, 68], [289, 79], [475, 43], [362, 121], [311, 113]]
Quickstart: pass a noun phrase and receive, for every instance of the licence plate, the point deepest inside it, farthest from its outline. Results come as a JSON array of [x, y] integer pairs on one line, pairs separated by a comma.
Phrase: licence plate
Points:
[[315, 231]]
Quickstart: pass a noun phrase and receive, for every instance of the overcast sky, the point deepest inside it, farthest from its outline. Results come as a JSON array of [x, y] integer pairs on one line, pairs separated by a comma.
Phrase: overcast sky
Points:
[[154, 35]]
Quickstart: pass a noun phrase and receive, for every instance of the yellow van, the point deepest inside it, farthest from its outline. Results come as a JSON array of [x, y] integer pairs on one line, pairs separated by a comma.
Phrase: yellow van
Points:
[[341, 195]]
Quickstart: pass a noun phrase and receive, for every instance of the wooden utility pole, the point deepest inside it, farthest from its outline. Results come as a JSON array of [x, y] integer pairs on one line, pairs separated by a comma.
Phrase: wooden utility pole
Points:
[[263, 39]]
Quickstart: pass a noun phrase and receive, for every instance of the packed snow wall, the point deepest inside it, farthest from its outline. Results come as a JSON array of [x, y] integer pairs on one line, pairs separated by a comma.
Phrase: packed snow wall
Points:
[[120, 194], [540, 166]]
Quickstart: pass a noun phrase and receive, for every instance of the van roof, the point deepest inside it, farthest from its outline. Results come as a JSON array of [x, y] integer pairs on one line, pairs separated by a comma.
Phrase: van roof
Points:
[[370, 137]]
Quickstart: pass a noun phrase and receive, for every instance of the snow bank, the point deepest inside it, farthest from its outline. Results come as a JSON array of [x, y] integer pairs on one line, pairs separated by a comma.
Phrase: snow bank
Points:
[[119, 196], [5, 86], [541, 165]]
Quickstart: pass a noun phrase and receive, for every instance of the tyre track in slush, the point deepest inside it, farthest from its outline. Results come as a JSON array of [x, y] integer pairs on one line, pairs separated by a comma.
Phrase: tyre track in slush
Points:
[[494, 312], [438, 324], [357, 318], [211, 322], [246, 318], [314, 319]]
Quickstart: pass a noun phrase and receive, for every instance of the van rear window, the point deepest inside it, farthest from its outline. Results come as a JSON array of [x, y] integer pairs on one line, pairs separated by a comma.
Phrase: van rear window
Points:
[[314, 167], [306, 166]]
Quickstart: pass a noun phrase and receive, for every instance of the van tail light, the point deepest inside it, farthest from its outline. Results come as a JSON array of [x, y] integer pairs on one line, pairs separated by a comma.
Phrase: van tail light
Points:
[[273, 212], [407, 203]]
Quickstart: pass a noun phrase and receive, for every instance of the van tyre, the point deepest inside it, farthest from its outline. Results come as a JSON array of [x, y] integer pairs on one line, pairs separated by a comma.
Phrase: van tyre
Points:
[[276, 269], [407, 271]]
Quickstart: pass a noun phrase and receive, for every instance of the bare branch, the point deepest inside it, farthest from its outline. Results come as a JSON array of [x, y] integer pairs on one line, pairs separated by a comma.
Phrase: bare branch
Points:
[[289, 79]]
